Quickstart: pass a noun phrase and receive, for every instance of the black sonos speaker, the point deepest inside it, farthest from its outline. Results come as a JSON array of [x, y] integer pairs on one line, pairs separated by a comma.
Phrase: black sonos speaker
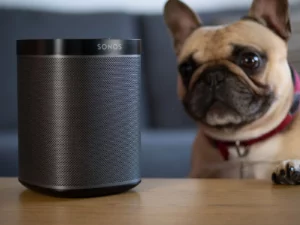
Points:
[[79, 116]]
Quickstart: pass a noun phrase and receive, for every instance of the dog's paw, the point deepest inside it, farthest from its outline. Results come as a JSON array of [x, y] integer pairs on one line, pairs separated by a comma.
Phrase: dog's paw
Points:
[[287, 172]]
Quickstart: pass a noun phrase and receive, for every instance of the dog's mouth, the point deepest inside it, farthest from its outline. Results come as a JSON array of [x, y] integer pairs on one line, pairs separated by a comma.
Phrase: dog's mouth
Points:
[[230, 106], [218, 114]]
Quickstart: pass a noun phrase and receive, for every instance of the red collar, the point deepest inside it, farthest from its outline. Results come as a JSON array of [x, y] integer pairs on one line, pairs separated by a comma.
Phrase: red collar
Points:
[[224, 145]]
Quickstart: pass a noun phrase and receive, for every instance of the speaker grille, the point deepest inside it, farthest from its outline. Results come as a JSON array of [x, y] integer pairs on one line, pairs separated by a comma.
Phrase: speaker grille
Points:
[[79, 120]]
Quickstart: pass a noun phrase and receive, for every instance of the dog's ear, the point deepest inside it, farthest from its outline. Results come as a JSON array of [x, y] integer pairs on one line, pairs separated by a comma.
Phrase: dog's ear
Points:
[[181, 21], [275, 15]]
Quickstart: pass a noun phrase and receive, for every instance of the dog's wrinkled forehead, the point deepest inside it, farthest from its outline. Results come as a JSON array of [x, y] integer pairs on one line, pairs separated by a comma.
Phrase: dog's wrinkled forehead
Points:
[[218, 42]]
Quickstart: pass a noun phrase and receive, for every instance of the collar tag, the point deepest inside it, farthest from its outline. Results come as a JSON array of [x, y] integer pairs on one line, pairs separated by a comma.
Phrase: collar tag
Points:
[[241, 151]]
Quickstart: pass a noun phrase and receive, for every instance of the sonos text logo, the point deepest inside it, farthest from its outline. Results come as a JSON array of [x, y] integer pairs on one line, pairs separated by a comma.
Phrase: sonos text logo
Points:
[[109, 46]]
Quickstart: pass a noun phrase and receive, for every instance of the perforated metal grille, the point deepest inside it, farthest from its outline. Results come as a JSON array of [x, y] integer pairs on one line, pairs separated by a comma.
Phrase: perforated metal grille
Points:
[[79, 120]]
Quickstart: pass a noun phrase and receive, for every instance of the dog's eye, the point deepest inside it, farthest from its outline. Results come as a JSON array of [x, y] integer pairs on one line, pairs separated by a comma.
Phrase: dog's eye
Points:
[[249, 60], [186, 70]]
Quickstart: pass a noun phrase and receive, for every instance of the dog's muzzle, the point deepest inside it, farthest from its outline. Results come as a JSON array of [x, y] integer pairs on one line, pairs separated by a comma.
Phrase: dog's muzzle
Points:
[[214, 76]]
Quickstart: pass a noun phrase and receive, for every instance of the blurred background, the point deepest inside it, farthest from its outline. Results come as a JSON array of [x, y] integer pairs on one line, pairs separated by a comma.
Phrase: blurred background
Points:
[[167, 132]]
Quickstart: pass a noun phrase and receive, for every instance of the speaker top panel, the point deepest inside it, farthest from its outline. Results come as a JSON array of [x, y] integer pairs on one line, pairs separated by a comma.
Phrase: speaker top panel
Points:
[[104, 46]]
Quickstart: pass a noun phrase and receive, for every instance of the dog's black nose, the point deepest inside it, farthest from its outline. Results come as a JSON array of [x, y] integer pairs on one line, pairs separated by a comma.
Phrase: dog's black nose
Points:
[[213, 77]]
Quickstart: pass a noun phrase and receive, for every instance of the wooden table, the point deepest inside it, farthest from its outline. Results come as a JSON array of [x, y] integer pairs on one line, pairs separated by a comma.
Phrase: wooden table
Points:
[[158, 201]]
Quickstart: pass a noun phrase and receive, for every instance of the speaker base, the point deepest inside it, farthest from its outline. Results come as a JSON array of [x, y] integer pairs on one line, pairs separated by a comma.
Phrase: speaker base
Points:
[[81, 193]]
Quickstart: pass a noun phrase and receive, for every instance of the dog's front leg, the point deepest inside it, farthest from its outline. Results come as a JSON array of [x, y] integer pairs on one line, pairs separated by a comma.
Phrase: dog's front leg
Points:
[[287, 172], [204, 159]]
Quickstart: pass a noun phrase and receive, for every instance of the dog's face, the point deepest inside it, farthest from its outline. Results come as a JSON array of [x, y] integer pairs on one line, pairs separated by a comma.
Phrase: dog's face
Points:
[[233, 77]]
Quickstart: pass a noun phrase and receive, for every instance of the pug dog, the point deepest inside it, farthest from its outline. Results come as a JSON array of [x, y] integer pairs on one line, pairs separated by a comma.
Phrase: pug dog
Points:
[[235, 82]]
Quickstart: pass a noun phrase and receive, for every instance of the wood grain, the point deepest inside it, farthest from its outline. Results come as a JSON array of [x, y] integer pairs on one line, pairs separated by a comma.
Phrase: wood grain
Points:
[[158, 201]]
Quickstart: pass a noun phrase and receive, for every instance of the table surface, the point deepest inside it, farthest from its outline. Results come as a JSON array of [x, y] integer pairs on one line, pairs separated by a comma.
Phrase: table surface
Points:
[[158, 201]]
